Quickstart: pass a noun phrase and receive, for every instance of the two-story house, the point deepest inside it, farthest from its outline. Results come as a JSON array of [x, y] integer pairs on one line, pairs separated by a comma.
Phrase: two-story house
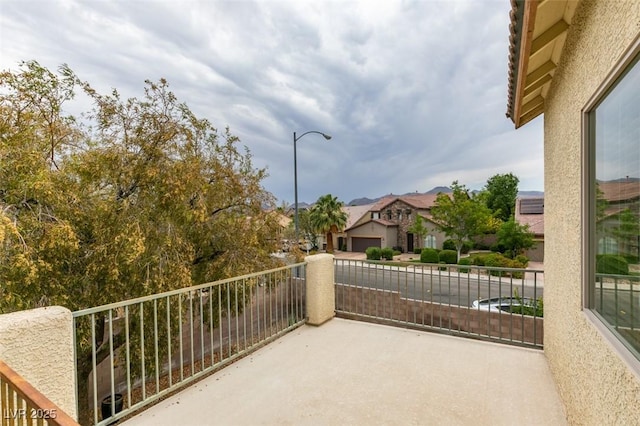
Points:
[[386, 223]]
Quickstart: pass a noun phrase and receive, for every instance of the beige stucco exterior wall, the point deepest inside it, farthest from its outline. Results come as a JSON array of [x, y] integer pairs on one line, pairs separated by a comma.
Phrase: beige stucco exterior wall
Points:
[[389, 234], [38, 345], [597, 386]]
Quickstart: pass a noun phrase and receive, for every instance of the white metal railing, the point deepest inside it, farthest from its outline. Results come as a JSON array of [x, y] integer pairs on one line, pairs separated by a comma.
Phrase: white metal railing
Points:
[[131, 353], [498, 304]]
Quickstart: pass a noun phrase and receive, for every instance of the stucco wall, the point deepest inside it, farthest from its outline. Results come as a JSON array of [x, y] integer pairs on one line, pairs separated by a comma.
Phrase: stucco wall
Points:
[[597, 386], [38, 345], [320, 289]]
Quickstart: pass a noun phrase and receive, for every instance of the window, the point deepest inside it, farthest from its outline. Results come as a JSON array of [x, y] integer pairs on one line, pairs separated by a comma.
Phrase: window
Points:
[[430, 241], [612, 182], [375, 215]]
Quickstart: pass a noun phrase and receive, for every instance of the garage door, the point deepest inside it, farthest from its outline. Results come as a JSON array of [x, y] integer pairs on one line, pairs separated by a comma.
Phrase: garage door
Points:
[[361, 244]]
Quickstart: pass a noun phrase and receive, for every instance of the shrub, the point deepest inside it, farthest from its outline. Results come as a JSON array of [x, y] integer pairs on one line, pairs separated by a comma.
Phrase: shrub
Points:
[[479, 260], [450, 245], [464, 261], [397, 248], [387, 253], [429, 255], [497, 260], [524, 260], [497, 248], [611, 264], [417, 250], [449, 256], [373, 253]]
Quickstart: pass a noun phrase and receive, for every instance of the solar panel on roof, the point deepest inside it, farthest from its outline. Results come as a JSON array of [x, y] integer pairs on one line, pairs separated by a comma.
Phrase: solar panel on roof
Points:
[[532, 206]]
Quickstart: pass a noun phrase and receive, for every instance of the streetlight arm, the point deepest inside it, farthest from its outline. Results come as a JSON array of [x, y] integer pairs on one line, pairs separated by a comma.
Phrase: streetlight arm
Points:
[[327, 137]]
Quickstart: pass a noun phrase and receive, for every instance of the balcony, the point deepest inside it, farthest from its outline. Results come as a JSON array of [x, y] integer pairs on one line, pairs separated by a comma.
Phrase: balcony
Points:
[[266, 348], [352, 372]]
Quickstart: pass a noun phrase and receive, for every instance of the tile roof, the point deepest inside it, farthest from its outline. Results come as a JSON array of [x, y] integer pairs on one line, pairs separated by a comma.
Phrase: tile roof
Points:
[[418, 201], [623, 190], [535, 221], [355, 213]]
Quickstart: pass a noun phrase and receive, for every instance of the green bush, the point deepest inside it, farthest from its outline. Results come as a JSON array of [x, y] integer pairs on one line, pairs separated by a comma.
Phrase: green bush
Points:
[[448, 256], [524, 260], [373, 253], [449, 245], [387, 253], [417, 250], [611, 264], [464, 261], [478, 260], [496, 260], [497, 248], [429, 255]]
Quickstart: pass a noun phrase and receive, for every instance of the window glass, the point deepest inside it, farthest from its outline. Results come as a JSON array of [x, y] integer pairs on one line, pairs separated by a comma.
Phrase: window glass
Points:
[[614, 131]]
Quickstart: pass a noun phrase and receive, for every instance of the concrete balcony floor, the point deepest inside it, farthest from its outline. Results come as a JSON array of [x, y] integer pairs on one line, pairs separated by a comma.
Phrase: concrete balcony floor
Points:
[[355, 373]]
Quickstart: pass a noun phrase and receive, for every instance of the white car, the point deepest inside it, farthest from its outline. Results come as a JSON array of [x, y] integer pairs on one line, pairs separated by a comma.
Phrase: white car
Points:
[[501, 304]]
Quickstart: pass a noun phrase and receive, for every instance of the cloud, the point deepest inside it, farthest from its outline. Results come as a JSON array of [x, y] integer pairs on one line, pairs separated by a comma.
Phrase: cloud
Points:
[[413, 92]]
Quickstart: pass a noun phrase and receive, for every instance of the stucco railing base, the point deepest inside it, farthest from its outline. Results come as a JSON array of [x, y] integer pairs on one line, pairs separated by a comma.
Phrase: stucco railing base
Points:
[[320, 288], [38, 345]]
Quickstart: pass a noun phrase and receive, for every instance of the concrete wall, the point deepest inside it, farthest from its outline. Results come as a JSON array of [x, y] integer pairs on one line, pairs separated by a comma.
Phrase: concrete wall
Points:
[[38, 345], [597, 386], [384, 306]]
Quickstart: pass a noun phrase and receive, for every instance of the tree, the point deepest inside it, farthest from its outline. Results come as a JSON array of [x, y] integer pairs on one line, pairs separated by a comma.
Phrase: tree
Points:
[[140, 197], [327, 217], [501, 192], [626, 232], [460, 216], [419, 229], [514, 237]]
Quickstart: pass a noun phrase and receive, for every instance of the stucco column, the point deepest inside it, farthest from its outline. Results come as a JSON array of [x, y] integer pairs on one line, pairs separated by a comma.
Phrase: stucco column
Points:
[[321, 299], [38, 345]]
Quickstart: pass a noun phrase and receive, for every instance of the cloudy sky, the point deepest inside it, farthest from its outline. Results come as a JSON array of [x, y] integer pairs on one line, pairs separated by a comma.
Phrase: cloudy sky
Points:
[[413, 93]]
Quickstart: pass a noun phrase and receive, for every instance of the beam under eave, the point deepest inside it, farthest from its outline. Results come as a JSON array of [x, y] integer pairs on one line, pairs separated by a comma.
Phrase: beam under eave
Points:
[[532, 114], [548, 36], [538, 84], [528, 23], [532, 104], [540, 72]]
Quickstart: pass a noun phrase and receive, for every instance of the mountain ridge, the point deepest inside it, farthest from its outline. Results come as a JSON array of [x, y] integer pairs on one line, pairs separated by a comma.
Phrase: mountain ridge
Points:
[[365, 200]]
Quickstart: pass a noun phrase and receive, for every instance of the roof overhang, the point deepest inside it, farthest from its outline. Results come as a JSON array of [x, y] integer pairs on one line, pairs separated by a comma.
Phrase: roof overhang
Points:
[[538, 32]]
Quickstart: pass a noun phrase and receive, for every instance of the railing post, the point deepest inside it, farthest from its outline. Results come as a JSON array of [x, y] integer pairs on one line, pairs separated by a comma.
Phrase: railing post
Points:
[[38, 345], [320, 282]]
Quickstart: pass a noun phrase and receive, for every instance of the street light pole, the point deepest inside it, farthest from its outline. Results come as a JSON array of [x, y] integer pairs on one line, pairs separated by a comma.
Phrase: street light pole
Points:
[[295, 175]]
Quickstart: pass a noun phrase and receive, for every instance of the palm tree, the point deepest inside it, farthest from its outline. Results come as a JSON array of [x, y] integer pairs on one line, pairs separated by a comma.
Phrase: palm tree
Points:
[[328, 217]]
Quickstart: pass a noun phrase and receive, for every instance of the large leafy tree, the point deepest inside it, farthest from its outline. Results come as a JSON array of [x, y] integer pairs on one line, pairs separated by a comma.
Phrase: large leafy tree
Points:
[[327, 217], [500, 195], [461, 216], [138, 197], [514, 237]]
